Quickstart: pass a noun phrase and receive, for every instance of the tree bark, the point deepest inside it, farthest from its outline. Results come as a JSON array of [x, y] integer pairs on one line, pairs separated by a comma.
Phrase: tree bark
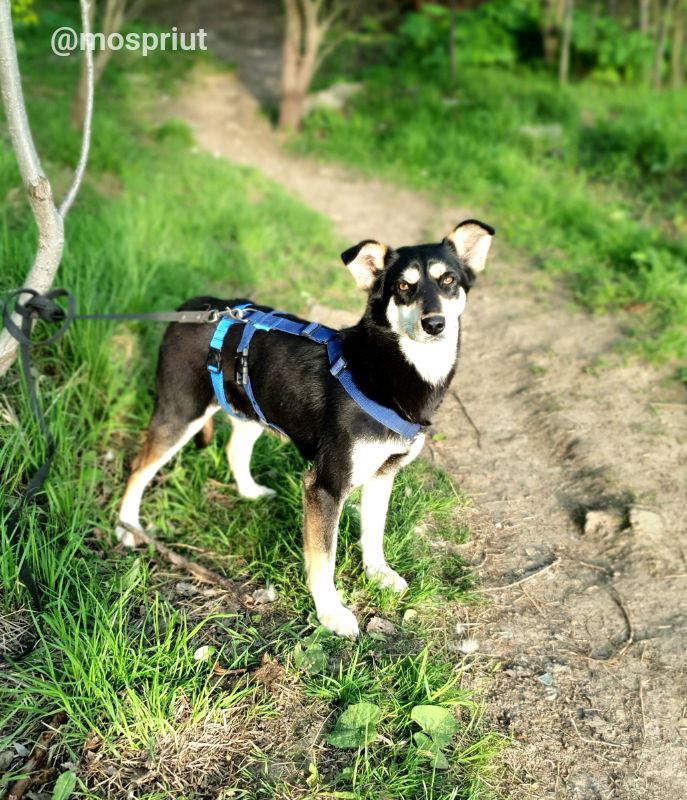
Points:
[[306, 25], [644, 16], [49, 220], [645, 30], [564, 62], [664, 14], [551, 21], [288, 113]]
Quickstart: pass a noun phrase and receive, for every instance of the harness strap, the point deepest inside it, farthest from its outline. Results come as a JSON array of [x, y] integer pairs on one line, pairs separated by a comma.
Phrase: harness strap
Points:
[[255, 320], [214, 362], [382, 414], [258, 321]]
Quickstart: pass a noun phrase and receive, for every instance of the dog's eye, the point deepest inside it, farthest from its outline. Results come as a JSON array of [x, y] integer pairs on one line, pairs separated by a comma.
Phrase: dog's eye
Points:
[[403, 286], [446, 280]]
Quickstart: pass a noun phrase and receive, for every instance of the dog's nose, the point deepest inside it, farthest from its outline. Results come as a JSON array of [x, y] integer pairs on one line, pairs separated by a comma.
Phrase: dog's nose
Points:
[[433, 324]]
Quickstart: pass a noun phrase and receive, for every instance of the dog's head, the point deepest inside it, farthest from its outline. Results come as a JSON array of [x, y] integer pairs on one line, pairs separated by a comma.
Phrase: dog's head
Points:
[[420, 292]]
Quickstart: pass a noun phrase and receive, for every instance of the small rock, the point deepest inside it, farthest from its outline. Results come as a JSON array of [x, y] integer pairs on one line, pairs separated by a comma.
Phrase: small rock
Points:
[[646, 523], [333, 98], [603, 523], [409, 616], [186, 589], [21, 750], [6, 758], [262, 596], [380, 625], [546, 678]]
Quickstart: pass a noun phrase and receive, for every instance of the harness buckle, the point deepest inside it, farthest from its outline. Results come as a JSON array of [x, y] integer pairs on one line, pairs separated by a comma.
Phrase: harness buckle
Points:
[[310, 329], [242, 368], [214, 360], [338, 366]]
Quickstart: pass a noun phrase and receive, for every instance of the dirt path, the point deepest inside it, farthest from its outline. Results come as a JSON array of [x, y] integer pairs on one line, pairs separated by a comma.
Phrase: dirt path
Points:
[[589, 627]]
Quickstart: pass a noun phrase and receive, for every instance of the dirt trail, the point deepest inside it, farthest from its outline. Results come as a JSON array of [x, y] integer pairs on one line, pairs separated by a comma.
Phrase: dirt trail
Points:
[[589, 627]]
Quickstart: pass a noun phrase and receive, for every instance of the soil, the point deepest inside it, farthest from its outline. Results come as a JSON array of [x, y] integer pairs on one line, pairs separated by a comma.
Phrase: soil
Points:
[[581, 650]]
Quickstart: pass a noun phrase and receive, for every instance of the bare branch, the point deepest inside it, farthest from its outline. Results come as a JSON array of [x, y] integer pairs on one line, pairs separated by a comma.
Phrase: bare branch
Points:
[[13, 98], [49, 221], [88, 115]]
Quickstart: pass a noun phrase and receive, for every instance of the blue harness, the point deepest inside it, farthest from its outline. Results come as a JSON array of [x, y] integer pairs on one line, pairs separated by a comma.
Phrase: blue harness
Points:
[[254, 320]]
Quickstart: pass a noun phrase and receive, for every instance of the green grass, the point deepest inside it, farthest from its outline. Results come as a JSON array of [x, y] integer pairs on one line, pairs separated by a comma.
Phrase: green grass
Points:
[[157, 222], [600, 198]]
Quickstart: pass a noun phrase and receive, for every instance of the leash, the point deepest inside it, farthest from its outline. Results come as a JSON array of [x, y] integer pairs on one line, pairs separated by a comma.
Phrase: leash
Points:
[[46, 307]]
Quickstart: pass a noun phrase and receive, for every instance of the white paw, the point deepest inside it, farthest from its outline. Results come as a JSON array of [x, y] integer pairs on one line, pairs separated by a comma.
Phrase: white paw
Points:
[[387, 578], [126, 537], [340, 621], [256, 491]]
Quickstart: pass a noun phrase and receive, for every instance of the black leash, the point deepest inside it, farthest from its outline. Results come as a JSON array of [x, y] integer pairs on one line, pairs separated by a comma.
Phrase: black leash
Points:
[[46, 307]]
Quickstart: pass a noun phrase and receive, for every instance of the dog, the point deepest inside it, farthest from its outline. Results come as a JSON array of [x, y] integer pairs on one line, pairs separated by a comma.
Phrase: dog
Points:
[[402, 355]]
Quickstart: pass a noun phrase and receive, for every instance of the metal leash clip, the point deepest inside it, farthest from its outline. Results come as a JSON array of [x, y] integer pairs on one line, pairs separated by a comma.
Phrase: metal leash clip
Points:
[[237, 314]]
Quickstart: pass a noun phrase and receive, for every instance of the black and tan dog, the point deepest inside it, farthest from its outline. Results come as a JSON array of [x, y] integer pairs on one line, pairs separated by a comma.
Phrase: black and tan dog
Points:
[[402, 354]]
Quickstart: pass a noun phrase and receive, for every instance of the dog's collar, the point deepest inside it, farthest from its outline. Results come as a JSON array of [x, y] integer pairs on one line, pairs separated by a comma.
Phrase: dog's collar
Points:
[[254, 320]]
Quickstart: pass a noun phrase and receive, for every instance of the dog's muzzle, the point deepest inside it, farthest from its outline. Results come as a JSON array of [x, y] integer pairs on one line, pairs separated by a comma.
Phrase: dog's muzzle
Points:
[[433, 324]]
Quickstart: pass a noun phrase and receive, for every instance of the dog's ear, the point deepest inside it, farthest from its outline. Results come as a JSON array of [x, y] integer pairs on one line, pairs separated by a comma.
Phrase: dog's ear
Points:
[[365, 261], [471, 241]]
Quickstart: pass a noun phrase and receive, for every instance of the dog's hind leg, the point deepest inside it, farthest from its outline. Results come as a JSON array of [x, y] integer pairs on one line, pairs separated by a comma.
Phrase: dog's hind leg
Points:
[[374, 501], [204, 435], [163, 440], [321, 510], [244, 435]]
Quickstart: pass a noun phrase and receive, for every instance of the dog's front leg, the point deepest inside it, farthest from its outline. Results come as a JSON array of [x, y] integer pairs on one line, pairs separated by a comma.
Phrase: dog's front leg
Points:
[[374, 502], [321, 511]]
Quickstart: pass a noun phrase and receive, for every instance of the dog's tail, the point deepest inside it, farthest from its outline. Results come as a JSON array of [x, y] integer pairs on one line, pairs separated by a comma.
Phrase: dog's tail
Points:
[[204, 435]]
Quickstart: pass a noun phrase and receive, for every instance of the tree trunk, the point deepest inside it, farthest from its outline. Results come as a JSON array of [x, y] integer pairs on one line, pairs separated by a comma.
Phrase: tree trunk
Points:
[[677, 47], [304, 33], [551, 20], [644, 12], [291, 102], [291, 110], [645, 30], [49, 220], [664, 15], [564, 62]]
